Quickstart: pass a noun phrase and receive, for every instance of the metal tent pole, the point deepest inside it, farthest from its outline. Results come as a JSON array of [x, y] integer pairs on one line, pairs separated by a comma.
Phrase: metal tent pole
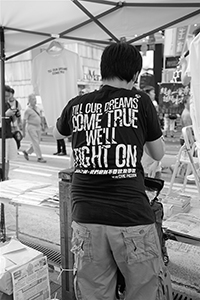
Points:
[[2, 97]]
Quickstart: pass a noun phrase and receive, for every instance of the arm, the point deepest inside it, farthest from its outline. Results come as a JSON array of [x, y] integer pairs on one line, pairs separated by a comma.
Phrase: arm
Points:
[[57, 135], [24, 123], [155, 149], [10, 112], [24, 127]]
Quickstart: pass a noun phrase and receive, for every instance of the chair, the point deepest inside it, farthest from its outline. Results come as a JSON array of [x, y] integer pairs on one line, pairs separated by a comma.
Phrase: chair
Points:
[[189, 149]]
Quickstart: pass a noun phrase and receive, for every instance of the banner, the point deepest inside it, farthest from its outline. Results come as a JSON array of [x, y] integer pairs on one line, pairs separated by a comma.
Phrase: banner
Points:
[[175, 41], [172, 97], [180, 42]]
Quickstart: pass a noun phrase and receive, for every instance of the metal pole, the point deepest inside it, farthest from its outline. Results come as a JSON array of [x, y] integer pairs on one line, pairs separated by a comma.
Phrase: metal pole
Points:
[[2, 97]]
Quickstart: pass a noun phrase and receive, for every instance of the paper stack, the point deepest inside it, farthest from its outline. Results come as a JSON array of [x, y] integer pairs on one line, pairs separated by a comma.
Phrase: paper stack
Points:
[[185, 224], [175, 202]]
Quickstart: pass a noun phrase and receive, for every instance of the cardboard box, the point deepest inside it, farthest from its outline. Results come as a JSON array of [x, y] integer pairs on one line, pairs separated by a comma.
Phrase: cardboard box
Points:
[[5, 297], [12, 255]]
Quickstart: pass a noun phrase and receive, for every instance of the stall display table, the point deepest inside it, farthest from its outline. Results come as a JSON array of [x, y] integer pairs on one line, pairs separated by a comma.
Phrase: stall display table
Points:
[[28, 193], [182, 220]]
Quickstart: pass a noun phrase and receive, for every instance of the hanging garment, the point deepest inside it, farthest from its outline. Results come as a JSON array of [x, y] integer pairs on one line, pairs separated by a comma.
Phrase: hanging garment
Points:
[[194, 71], [54, 78]]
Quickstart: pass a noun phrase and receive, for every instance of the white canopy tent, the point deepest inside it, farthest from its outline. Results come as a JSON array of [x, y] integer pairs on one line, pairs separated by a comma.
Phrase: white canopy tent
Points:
[[27, 24]]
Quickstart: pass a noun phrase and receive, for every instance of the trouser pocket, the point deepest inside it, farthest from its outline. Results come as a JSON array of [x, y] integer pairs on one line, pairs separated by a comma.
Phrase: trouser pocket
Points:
[[141, 243], [82, 250]]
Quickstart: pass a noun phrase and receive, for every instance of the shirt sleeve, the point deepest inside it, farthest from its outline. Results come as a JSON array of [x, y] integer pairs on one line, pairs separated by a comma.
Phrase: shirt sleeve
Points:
[[63, 122]]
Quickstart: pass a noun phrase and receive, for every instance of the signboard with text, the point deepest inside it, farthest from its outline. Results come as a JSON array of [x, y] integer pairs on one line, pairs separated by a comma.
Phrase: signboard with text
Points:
[[31, 281], [172, 97]]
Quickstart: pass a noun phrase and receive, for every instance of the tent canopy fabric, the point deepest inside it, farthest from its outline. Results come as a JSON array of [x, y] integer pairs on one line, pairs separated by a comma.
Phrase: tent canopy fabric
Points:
[[28, 24]]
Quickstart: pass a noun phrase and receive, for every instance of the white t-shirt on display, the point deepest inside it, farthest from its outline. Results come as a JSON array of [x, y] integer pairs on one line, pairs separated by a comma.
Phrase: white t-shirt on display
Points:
[[54, 78], [193, 70]]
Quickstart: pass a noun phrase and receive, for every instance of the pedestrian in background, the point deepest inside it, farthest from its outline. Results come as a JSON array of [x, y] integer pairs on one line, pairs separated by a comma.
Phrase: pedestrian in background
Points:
[[32, 123], [16, 124], [152, 168], [10, 144], [150, 90], [61, 148], [170, 118], [113, 223]]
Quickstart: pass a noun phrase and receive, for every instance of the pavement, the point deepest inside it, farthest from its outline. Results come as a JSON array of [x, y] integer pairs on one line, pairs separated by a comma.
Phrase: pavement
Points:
[[43, 228]]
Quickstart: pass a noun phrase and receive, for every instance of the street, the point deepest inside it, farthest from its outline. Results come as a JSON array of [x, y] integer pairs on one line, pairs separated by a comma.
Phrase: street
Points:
[[184, 263], [44, 172]]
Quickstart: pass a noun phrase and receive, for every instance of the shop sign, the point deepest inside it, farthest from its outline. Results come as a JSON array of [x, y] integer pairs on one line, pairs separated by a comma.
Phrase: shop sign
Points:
[[91, 75], [181, 35], [171, 62], [151, 42]]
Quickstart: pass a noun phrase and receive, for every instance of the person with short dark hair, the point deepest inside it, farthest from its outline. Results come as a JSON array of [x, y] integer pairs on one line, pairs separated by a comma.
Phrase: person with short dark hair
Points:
[[113, 223], [16, 124], [10, 145]]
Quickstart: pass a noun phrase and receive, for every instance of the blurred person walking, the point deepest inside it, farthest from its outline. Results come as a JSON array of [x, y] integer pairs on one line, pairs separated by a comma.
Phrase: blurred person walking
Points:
[[32, 123]]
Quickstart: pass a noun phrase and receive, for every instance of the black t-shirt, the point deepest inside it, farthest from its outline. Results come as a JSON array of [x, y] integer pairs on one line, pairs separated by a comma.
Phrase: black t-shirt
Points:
[[109, 128]]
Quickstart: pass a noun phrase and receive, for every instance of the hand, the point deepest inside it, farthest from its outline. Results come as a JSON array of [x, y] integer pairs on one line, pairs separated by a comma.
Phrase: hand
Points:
[[10, 112], [182, 61]]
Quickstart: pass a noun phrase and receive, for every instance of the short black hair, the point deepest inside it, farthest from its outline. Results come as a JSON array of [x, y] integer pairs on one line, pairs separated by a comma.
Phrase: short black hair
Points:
[[120, 60], [12, 91], [7, 88], [196, 31]]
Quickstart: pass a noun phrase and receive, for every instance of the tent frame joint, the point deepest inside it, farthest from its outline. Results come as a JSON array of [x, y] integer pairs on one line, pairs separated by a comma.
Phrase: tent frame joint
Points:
[[55, 35]]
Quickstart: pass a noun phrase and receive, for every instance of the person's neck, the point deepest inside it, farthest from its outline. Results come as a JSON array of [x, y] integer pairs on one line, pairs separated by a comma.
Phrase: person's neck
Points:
[[117, 83]]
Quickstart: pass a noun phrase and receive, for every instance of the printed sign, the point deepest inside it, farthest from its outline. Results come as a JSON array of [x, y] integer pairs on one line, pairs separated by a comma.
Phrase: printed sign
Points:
[[31, 281], [172, 97], [181, 35], [171, 62]]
